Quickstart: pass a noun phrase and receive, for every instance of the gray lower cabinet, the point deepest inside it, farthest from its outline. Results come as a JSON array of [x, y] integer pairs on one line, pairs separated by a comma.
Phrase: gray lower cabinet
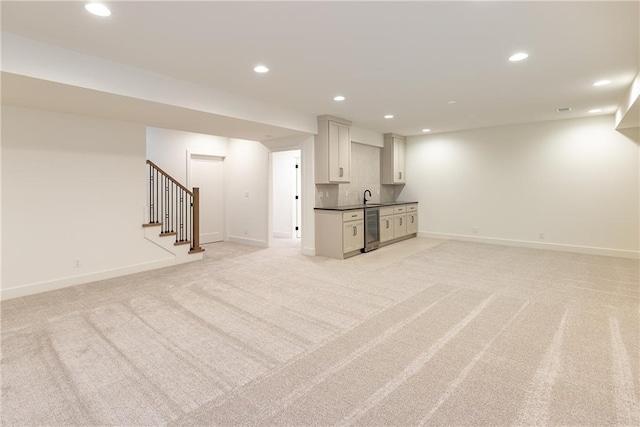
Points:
[[386, 228], [412, 219], [412, 222], [399, 221], [339, 234], [352, 236]]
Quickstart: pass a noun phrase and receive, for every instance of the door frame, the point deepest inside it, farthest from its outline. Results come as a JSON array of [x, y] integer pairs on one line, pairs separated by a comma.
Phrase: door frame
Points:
[[194, 155], [270, 238]]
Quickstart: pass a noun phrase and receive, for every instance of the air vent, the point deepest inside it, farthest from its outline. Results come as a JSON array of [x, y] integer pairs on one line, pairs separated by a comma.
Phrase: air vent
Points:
[[564, 109]]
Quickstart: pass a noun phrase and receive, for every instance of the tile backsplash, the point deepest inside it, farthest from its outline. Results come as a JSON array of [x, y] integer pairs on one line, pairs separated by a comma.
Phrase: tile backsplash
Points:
[[365, 175]]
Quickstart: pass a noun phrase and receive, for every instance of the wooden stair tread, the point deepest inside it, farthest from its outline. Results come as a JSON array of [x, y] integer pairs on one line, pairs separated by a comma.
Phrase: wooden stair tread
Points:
[[184, 242], [195, 251], [152, 224], [169, 233]]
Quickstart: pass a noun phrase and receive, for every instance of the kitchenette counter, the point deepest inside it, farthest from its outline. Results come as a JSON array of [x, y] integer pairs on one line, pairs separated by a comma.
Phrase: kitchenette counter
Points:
[[344, 231], [362, 206]]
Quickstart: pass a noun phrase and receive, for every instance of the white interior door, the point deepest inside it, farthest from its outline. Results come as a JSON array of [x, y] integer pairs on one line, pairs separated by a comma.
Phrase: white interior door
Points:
[[206, 172]]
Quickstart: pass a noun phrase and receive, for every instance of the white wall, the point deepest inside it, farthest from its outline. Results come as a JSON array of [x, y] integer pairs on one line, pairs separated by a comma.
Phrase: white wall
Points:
[[247, 193], [168, 149], [73, 187], [284, 191], [245, 168], [576, 181]]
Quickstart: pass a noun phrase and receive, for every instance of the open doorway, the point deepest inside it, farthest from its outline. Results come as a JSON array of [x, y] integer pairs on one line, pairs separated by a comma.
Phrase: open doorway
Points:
[[286, 198]]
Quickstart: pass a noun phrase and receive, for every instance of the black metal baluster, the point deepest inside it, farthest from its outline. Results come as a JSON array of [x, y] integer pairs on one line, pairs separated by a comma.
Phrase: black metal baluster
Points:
[[191, 221], [181, 203], [166, 203], [157, 198], [186, 216], [153, 201], [164, 222], [153, 178], [150, 201], [171, 211], [162, 203]]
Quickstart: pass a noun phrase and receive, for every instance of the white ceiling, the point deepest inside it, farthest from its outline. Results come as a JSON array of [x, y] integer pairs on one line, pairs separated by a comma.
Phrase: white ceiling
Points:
[[403, 58]]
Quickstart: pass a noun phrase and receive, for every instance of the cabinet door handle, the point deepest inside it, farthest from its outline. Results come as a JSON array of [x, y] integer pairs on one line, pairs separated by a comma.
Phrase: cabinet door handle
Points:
[[355, 230], [400, 175], [413, 219], [387, 223], [401, 221], [341, 172]]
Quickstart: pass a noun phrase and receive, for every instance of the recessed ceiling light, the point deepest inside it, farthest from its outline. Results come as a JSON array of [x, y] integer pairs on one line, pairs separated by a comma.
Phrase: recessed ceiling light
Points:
[[97, 9], [261, 69], [426, 130], [595, 110], [389, 116], [518, 56], [602, 82], [451, 102], [339, 98]]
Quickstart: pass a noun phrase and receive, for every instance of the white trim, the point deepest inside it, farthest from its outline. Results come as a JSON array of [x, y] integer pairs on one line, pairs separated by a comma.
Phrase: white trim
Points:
[[535, 245], [271, 234], [191, 155], [250, 242], [51, 285], [309, 251]]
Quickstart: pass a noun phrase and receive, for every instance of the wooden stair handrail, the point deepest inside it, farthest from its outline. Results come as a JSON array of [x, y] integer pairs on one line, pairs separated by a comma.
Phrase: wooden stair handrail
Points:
[[195, 224], [169, 177]]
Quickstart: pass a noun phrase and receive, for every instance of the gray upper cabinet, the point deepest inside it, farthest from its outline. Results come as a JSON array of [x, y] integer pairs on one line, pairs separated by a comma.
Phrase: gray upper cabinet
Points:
[[333, 150], [392, 159]]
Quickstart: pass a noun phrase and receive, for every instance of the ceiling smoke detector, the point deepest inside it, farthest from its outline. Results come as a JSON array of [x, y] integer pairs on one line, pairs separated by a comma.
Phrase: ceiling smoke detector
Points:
[[564, 109]]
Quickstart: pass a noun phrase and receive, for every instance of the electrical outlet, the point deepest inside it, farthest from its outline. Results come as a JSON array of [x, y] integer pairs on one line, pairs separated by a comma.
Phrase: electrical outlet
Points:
[[246, 194], [474, 230], [346, 193], [246, 231], [541, 236], [76, 263]]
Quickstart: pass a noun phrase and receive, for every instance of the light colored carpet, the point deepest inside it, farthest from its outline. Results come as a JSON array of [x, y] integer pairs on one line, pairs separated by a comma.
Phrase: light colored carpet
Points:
[[411, 334]]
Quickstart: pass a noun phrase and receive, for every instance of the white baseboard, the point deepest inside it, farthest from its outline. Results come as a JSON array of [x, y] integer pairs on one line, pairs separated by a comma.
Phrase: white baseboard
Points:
[[309, 251], [36, 288], [534, 245], [250, 242]]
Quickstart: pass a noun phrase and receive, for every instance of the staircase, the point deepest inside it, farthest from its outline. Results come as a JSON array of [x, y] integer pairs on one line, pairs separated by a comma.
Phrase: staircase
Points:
[[174, 216]]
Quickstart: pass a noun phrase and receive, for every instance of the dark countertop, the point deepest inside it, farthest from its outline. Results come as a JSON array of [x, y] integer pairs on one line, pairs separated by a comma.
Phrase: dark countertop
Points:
[[369, 205]]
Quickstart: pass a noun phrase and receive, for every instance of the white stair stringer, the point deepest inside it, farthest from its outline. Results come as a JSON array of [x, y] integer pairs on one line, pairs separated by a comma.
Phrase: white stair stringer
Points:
[[180, 252]]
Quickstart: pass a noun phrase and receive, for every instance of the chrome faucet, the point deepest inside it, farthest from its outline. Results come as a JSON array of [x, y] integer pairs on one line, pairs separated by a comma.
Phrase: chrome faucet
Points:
[[365, 196]]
